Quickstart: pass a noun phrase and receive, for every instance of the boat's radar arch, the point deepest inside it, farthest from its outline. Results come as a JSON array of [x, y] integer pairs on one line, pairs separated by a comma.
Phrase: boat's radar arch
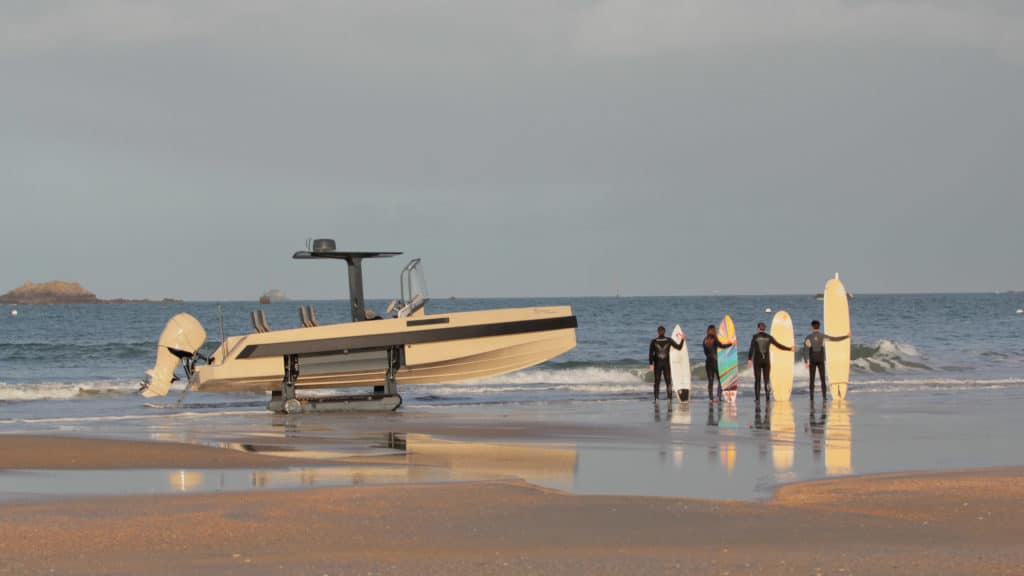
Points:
[[182, 338]]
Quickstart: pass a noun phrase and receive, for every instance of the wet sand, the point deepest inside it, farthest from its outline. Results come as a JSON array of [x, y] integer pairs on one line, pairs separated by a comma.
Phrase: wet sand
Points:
[[22, 452], [966, 522]]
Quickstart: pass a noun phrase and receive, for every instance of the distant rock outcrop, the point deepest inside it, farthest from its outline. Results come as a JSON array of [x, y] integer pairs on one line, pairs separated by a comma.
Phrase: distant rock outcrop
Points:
[[273, 296], [56, 292], [59, 292]]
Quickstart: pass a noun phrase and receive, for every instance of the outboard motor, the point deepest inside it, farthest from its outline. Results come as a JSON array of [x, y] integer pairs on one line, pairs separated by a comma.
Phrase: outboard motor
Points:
[[180, 341]]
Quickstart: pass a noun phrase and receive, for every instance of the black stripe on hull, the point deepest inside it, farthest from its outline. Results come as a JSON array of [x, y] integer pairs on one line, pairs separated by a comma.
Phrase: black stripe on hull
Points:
[[426, 322], [353, 343]]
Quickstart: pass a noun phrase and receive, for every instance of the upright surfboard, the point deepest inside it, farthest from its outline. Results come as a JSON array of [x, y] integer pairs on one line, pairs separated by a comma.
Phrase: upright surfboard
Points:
[[837, 323], [781, 375], [728, 360], [679, 364]]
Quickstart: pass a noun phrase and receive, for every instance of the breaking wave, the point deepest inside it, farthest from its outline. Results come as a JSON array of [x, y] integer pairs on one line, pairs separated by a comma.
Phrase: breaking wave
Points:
[[65, 390], [886, 356]]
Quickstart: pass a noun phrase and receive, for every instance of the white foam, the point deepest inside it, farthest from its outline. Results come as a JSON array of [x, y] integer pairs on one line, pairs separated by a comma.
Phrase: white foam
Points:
[[155, 415], [66, 390], [937, 382], [581, 375], [537, 388], [898, 349]]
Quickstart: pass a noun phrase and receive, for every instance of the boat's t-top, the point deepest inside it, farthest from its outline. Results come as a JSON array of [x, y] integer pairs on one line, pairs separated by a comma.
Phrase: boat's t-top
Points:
[[324, 248]]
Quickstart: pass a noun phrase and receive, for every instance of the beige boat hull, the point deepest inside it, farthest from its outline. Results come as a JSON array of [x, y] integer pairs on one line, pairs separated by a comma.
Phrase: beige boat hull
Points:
[[433, 362]]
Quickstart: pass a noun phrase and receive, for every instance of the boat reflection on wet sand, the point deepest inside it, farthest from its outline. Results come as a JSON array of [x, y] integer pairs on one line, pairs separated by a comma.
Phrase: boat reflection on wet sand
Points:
[[423, 458]]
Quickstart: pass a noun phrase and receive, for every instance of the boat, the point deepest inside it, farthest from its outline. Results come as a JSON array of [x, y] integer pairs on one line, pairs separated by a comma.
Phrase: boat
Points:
[[377, 353]]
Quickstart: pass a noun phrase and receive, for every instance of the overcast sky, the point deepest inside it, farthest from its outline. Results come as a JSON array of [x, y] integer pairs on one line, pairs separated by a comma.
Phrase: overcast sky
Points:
[[182, 148]]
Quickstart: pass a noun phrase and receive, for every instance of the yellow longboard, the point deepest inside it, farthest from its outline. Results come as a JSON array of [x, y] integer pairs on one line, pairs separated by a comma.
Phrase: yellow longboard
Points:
[[837, 323], [782, 361]]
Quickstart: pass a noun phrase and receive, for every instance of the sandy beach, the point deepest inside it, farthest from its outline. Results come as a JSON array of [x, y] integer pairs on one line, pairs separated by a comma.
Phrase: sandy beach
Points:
[[965, 522]]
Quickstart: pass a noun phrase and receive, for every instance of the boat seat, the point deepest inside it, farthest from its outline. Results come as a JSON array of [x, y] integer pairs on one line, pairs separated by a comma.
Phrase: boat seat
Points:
[[303, 317], [256, 321], [312, 317], [410, 308]]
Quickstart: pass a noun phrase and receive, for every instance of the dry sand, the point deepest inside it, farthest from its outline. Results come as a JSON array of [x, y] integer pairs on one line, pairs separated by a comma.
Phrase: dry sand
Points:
[[967, 522]]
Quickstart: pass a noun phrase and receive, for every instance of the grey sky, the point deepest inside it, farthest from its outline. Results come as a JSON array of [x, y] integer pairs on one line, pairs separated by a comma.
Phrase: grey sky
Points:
[[522, 148]]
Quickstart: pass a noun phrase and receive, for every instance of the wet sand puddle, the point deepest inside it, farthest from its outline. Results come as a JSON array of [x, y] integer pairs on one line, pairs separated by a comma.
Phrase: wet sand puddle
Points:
[[695, 450]]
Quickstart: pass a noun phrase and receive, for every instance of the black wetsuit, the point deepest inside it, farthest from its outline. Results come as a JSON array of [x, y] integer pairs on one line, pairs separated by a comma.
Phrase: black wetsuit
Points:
[[760, 345], [659, 357], [814, 355], [711, 346]]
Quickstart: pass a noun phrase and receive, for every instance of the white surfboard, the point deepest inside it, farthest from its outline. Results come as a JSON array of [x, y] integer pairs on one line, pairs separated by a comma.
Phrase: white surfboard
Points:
[[837, 323], [782, 361], [679, 364]]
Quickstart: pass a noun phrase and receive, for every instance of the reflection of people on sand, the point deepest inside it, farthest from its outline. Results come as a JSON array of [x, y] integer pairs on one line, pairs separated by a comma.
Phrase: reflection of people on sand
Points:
[[680, 415], [759, 357], [762, 419], [816, 427], [658, 357], [714, 414], [729, 417], [814, 354], [728, 455], [763, 423]]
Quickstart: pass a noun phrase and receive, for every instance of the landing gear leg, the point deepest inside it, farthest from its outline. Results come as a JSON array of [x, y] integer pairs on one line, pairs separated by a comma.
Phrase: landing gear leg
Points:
[[385, 397], [290, 404], [189, 366], [390, 384]]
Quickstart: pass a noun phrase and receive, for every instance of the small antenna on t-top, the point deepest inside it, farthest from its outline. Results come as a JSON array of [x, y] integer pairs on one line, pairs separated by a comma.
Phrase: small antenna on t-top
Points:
[[837, 275], [309, 244]]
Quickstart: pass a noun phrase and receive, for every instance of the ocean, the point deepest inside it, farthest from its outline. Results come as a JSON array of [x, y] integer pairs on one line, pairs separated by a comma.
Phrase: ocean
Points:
[[937, 383], [82, 357]]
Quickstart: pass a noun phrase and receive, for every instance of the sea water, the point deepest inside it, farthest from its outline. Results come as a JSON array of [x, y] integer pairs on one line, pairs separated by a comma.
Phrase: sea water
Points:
[[79, 356], [937, 381]]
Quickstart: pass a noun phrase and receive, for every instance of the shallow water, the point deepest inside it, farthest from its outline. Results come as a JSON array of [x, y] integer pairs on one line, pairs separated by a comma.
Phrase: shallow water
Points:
[[612, 447]]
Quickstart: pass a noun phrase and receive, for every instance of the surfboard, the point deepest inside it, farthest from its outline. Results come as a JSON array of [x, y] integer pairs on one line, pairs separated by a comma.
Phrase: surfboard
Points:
[[728, 360], [837, 323], [781, 375], [679, 364]]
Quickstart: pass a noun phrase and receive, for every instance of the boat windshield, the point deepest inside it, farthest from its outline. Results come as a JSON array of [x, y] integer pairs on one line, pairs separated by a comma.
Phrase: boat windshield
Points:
[[414, 288]]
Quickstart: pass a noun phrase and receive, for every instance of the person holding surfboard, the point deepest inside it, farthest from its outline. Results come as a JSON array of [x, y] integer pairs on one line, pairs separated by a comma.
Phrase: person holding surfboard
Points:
[[814, 354], [758, 356], [711, 346], [658, 357]]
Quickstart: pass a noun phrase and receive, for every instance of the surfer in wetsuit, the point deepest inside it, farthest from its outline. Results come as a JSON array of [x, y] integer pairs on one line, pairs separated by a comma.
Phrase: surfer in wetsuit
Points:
[[711, 347], [658, 359], [814, 353], [759, 357]]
